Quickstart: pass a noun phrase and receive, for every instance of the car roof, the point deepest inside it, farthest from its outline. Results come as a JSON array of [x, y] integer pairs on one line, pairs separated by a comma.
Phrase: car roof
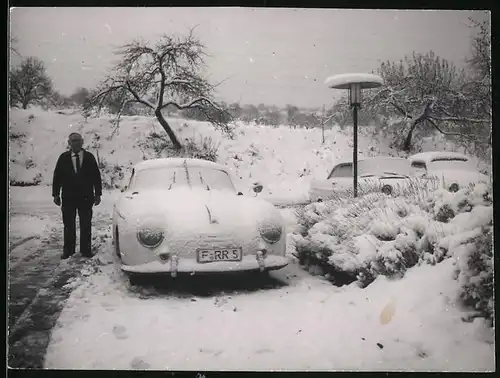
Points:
[[432, 155], [176, 162], [372, 159]]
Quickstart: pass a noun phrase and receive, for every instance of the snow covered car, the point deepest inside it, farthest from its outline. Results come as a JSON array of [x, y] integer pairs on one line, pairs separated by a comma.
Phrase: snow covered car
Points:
[[451, 170], [388, 173], [185, 216]]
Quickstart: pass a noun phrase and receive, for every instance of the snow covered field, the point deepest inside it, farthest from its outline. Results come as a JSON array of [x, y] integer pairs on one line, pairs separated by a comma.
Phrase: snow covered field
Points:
[[293, 322]]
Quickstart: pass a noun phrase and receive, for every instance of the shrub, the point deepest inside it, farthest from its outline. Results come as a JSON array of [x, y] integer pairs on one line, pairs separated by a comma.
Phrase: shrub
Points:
[[376, 234], [29, 163], [17, 135], [111, 174], [33, 182], [207, 149], [475, 273], [161, 146]]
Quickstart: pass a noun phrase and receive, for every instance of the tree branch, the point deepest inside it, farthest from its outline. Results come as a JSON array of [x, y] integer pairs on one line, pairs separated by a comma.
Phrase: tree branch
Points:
[[136, 96], [190, 104], [431, 121], [460, 119]]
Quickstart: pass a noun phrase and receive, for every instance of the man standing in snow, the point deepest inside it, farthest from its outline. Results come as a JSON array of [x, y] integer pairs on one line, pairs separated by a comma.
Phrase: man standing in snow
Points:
[[77, 174]]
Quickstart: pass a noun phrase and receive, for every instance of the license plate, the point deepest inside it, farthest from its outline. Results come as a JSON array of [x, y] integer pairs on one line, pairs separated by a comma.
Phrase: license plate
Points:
[[223, 254]]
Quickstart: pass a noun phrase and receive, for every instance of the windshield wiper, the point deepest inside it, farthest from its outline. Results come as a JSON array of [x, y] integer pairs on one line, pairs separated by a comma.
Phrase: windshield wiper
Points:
[[173, 181], [203, 181]]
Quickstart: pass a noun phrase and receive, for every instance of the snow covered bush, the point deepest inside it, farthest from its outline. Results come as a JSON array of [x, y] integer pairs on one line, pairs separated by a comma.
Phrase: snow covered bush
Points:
[[112, 175], [34, 179], [375, 234], [161, 146]]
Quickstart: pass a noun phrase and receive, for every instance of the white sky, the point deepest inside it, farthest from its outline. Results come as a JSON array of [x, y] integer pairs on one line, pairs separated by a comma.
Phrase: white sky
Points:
[[271, 56]]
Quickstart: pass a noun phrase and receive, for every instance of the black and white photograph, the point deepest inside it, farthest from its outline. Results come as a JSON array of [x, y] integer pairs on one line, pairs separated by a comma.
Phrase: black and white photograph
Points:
[[250, 189]]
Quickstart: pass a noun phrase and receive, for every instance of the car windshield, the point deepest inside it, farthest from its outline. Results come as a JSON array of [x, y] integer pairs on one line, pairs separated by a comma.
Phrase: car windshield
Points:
[[451, 164], [341, 170], [177, 177], [384, 166]]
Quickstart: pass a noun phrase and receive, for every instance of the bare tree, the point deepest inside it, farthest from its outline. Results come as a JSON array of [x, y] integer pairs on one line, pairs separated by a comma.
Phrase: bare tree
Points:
[[423, 90], [479, 86], [29, 83], [170, 72]]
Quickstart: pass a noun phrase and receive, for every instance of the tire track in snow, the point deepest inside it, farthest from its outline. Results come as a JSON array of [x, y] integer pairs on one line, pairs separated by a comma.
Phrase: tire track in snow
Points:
[[38, 293], [30, 335], [28, 275], [21, 242]]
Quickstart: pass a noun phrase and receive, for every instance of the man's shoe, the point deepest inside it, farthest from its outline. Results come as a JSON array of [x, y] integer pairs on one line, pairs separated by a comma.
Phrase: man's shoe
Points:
[[88, 255], [65, 256]]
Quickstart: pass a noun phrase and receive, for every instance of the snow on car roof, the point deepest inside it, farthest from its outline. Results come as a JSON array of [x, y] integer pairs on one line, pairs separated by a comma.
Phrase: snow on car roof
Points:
[[375, 158], [176, 162], [433, 155]]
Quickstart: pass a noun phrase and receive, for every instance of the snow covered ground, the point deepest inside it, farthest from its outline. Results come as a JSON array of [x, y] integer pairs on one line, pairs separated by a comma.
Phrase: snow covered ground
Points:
[[307, 324], [293, 322], [284, 160]]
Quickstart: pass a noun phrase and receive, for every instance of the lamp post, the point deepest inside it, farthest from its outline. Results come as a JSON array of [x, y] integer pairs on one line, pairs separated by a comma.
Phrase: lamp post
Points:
[[354, 83]]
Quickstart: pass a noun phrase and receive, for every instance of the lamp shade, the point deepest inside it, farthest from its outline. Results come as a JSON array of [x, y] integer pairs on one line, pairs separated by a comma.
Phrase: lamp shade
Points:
[[344, 81]]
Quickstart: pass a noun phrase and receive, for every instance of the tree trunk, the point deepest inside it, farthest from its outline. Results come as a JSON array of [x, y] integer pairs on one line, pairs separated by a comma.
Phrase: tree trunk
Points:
[[168, 130], [25, 104], [407, 142]]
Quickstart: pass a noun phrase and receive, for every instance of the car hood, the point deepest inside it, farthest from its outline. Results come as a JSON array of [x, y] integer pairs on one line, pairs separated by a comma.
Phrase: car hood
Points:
[[196, 210]]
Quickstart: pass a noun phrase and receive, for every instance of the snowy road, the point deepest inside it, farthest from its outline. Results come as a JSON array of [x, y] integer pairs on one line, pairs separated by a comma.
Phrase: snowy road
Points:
[[36, 274], [292, 322]]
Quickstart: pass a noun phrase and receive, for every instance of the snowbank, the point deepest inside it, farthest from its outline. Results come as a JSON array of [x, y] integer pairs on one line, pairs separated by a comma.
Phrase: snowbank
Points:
[[282, 159]]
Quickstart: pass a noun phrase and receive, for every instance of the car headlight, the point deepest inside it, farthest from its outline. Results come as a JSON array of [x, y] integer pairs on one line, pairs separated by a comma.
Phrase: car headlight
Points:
[[453, 187], [271, 233], [150, 237]]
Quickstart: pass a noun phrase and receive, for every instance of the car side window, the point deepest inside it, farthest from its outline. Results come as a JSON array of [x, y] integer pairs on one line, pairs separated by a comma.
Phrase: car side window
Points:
[[344, 170], [419, 167]]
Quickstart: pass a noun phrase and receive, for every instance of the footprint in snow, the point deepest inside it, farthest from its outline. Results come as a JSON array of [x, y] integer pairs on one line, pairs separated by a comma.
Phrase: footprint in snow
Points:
[[108, 307], [120, 332], [139, 364]]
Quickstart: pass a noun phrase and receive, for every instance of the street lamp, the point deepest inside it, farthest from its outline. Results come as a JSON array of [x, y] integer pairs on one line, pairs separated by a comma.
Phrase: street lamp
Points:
[[354, 83]]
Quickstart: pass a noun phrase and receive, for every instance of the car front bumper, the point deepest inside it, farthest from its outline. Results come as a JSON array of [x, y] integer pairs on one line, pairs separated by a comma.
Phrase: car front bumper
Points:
[[248, 263]]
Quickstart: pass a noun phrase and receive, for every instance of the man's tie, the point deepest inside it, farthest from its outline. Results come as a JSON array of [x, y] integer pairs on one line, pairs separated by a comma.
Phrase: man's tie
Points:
[[77, 163]]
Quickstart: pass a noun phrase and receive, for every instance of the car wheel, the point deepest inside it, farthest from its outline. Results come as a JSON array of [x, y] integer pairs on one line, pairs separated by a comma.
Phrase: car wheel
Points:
[[387, 189], [453, 187]]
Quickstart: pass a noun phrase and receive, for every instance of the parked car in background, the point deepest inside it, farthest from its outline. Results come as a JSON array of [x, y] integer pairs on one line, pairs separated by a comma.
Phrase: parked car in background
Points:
[[184, 216], [387, 174], [452, 170]]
